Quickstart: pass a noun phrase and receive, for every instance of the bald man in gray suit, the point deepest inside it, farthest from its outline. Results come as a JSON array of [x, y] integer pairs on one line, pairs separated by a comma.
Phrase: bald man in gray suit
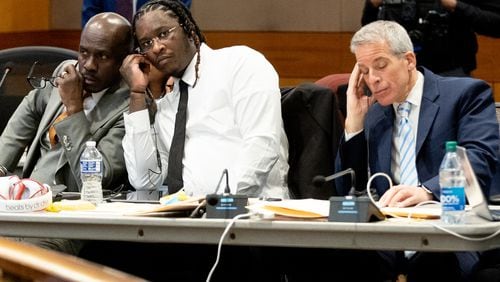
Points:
[[91, 94]]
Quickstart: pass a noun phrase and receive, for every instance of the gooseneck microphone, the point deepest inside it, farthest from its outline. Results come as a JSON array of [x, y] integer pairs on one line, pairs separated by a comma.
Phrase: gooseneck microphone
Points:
[[6, 69], [225, 205], [355, 207], [319, 180], [213, 199]]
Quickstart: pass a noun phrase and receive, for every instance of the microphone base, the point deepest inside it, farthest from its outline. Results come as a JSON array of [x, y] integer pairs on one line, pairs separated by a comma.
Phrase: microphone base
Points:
[[352, 209], [226, 205]]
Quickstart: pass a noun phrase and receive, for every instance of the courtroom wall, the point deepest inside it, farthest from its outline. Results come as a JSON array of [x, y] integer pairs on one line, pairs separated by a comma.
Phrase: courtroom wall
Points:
[[24, 15], [246, 15], [304, 40]]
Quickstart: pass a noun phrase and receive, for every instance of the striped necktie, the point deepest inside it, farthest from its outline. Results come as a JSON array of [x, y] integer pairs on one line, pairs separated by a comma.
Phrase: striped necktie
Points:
[[408, 170]]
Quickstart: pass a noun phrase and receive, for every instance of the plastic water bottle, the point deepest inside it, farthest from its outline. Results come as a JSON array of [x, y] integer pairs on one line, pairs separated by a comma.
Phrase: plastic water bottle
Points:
[[452, 182], [91, 173]]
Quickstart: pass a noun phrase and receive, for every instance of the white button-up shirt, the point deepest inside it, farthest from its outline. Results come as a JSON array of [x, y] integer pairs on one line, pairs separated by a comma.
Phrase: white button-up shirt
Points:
[[233, 121]]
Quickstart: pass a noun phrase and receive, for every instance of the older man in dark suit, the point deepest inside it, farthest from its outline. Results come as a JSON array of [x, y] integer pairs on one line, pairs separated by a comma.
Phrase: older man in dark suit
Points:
[[440, 109]]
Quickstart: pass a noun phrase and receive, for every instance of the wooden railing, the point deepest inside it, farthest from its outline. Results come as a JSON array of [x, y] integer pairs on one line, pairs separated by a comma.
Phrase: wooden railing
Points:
[[297, 56], [23, 262]]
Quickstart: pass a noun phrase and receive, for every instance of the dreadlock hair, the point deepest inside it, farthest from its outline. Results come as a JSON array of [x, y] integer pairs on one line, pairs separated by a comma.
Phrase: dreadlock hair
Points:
[[177, 10]]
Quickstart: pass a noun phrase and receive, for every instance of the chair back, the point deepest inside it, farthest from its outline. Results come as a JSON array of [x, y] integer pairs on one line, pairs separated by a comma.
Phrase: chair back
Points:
[[337, 82], [20, 59]]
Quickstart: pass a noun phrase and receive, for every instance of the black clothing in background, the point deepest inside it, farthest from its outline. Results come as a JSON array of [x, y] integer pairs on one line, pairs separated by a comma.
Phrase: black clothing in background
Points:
[[455, 52], [314, 125]]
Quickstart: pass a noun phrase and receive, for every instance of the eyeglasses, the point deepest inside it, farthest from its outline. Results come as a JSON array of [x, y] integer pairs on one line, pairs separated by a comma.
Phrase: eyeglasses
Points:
[[39, 82], [162, 37]]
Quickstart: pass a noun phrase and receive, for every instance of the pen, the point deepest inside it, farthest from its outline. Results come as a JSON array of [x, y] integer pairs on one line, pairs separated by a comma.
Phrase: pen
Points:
[[270, 199], [133, 201]]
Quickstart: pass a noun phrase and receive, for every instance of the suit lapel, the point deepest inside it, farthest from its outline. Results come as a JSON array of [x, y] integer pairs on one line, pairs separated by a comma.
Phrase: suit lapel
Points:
[[53, 105], [428, 110], [381, 141], [51, 111], [108, 106]]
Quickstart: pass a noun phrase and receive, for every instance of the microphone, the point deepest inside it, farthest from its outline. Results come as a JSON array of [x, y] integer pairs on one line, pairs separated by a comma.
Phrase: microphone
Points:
[[225, 205], [6, 69], [319, 180], [351, 208], [212, 199]]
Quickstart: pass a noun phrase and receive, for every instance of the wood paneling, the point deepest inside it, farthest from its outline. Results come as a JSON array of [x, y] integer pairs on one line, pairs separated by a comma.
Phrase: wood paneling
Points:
[[278, 15], [496, 91], [25, 15], [488, 59], [297, 56], [63, 38]]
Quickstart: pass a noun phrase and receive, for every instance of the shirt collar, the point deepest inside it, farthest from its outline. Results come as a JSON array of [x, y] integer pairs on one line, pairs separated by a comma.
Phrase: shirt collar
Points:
[[415, 96], [98, 95], [189, 76]]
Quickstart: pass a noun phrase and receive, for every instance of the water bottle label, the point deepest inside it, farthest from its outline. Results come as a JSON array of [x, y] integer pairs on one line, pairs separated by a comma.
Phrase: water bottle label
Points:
[[92, 192], [90, 166], [453, 198]]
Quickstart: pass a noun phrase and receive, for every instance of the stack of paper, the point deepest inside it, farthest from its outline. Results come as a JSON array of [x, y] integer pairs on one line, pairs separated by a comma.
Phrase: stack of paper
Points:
[[304, 208]]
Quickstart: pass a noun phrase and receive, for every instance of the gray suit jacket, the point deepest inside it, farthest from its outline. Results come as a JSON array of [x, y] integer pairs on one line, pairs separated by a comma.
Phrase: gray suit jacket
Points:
[[34, 116]]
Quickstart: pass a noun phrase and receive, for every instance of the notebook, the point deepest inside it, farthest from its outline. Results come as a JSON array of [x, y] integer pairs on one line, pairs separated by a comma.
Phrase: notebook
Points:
[[475, 196]]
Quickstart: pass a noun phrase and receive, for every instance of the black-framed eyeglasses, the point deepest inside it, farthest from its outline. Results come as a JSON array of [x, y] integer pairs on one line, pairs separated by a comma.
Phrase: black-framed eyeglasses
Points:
[[162, 37], [39, 82]]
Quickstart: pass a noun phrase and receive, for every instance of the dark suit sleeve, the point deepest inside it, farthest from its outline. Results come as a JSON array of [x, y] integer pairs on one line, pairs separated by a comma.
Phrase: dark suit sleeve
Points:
[[187, 3], [477, 131], [352, 154], [370, 13], [484, 17], [91, 8]]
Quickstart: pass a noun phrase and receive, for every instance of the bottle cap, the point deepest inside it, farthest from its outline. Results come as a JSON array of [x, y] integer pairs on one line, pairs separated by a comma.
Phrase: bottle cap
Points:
[[451, 146], [90, 143]]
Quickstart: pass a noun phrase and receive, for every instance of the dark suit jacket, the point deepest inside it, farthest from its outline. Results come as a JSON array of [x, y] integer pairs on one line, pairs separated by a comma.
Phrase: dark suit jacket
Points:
[[93, 7], [313, 127], [460, 109]]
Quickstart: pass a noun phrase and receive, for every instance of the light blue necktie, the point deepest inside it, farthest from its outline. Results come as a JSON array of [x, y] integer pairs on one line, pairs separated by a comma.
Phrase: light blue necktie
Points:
[[408, 171]]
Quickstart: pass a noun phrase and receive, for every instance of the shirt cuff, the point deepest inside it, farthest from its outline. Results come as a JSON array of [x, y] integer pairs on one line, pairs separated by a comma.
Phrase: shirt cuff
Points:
[[425, 189], [349, 136], [139, 120]]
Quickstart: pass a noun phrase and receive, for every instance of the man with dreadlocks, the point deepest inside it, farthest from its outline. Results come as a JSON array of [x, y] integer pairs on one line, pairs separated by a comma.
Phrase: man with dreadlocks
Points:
[[233, 111]]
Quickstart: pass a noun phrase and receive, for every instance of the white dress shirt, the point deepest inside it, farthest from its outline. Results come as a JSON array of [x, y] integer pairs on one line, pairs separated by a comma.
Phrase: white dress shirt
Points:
[[233, 121], [90, 102]]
